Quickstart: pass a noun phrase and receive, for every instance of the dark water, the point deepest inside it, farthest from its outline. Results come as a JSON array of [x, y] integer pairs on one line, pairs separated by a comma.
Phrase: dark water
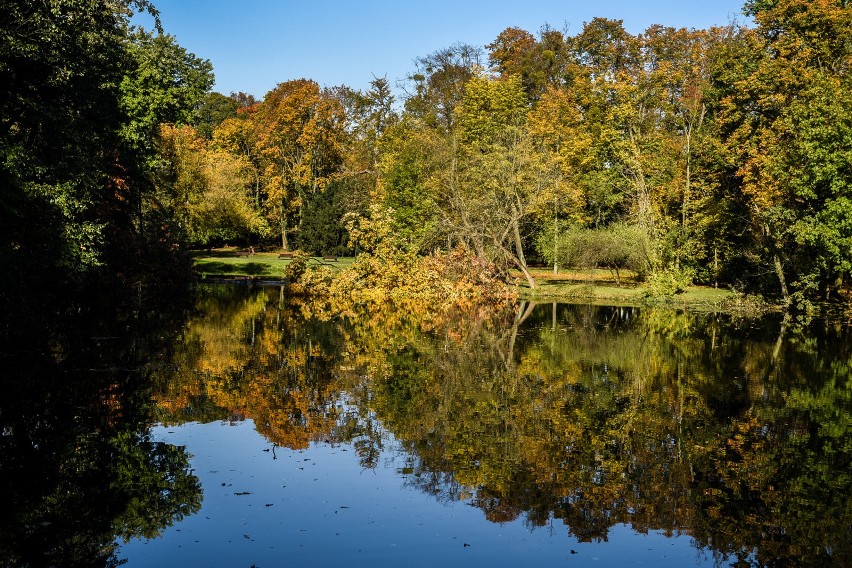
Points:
[[252, 430]]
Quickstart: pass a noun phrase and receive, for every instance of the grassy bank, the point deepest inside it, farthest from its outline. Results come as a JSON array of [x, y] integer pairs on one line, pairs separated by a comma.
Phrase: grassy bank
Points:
[[231, 262], [588, 286], [605, 287]]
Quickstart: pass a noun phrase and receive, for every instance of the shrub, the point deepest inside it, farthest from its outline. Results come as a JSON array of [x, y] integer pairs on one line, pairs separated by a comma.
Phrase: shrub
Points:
[[669, 282], [617, 247]]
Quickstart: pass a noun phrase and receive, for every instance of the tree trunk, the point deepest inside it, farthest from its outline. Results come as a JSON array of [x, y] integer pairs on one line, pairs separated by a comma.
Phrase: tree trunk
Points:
[[284, 243], [520, 259], [779, 271], [555, 244]]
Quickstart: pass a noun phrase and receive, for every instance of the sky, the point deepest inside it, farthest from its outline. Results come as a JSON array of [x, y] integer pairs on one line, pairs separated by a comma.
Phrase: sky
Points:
[[256, 44]]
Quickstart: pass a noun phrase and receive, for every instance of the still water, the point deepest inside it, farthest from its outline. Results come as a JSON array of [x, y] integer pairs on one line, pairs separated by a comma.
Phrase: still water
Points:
[[252, 429]]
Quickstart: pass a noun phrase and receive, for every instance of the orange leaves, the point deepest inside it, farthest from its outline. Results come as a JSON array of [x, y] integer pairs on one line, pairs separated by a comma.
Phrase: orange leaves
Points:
[[511, 51], [295, 141], [300, 130]]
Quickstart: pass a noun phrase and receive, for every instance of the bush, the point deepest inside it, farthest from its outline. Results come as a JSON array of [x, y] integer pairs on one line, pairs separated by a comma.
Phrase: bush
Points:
[[297, 267], [669, 282], [617, 247]]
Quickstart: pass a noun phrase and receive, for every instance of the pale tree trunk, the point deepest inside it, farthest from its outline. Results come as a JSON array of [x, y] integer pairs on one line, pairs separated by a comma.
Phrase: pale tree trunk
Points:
[[284, 243], [778, 265], [779, 271], [644, 208], [555, 240], [690, 128], [521, 261]]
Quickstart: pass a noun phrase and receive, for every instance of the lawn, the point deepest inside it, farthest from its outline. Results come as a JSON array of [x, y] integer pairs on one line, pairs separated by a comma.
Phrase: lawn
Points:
[[227, 262], [602, 286]]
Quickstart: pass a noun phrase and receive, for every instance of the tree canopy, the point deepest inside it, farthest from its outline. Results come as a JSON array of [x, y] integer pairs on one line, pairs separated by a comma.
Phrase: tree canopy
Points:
[[727, 150]]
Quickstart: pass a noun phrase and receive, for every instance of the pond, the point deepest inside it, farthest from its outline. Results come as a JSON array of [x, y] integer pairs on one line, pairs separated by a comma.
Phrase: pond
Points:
[[246, 428]]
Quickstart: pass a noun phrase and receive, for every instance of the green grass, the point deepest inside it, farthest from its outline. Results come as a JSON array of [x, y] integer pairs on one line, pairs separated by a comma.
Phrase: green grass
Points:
[[600, 287], [225, 262]]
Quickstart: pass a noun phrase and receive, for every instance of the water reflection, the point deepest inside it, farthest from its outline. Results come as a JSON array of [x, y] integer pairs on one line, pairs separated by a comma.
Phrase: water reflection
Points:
[[77, 466], [734, 431]]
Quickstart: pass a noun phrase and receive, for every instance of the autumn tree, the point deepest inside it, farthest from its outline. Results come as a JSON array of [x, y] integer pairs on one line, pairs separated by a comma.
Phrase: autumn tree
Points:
[[562, 143], [540, 63], [783, 119], [238, 136], [300, 133], [206, 190], [484, 191]]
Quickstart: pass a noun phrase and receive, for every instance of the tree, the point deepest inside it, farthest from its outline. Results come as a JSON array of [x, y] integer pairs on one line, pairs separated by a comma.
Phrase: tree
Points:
[[371, 115], [540, 64], [207, 191], [439, 83], [484, 190], [238, 136], [77, 140], [783, 122], [679, 66], [212, 111], [300, 133], [411, 153], [165, 85], [563, 147]]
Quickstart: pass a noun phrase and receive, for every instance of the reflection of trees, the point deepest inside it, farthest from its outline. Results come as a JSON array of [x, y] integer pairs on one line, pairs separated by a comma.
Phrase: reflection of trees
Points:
[[77, 466], [785, 460], [734, 431], [668, 421], [250, 355]]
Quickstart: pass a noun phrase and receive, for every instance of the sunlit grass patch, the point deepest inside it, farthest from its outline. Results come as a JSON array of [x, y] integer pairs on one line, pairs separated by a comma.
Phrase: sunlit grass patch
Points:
[[232, 262]]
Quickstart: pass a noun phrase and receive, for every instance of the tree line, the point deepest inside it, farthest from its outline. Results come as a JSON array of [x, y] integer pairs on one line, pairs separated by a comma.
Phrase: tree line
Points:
[[716, 156]]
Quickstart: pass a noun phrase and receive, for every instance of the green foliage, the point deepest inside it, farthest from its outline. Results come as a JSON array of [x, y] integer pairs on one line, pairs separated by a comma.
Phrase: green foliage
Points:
[[547, 241], [83, 95], [784, 122], [438, 84], [669, 282], [213, 109], [164, 84], [409, 154], [728, 149], [322, 231], [59, 65]]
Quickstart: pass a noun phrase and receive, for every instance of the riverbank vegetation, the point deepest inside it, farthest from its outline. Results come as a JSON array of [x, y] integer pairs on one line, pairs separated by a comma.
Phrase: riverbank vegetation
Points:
[[679, 157]]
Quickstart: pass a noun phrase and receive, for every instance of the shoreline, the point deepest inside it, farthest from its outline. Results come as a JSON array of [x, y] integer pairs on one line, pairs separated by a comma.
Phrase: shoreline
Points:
[[591, 286], [694, 298]]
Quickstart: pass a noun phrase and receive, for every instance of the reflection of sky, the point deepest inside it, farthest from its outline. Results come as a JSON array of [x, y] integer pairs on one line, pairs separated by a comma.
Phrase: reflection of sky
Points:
[[318, 507]]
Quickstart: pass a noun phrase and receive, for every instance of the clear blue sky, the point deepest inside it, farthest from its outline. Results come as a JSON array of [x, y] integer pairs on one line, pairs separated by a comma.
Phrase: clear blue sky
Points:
[[256, 44]]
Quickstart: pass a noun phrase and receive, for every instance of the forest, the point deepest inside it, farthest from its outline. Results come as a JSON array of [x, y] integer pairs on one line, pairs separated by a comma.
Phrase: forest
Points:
[[719, 157]]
